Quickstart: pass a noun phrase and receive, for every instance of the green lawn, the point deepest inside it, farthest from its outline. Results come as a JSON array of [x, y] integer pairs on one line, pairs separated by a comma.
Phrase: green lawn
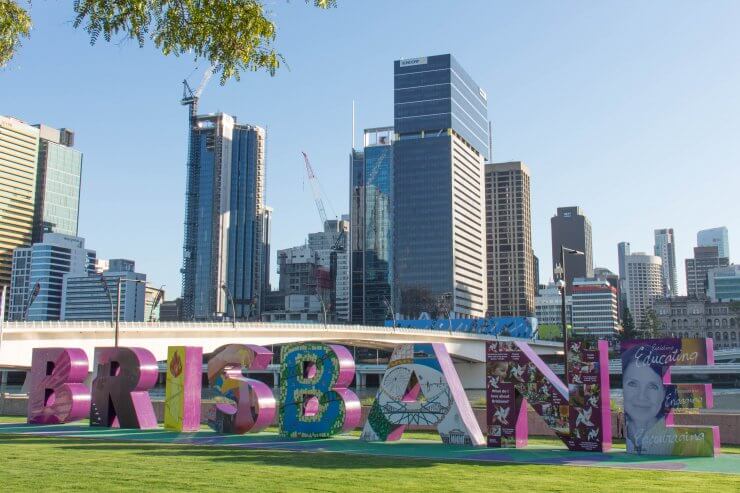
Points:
[[54, 464]]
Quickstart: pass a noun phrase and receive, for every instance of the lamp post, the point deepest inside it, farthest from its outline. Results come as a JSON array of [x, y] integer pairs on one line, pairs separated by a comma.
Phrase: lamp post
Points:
[[562, 284], [121, 280], [157, 301], [231, 301], [101, 278], [390, 309]]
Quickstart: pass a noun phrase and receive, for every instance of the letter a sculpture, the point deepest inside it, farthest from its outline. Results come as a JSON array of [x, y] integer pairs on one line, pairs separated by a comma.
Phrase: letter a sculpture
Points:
[[421, 387]]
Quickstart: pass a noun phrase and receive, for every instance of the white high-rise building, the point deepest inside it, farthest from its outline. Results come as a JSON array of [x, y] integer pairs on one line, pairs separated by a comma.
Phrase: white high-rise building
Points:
[[665, 248], [595, 308], [715, 237], [644, 283]]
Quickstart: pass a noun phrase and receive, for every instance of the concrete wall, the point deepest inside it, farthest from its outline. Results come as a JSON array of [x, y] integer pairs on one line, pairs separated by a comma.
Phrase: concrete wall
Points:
[[729, 423]]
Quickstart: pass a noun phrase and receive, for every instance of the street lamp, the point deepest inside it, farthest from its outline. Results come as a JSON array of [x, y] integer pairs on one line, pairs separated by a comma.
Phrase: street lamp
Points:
[[157, 301], [121, 280], [231, 300], [560, 269], [389, 308]]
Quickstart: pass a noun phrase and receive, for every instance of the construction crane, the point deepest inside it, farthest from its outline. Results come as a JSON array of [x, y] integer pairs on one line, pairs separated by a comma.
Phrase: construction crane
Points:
[[313, 181], [190, 97]]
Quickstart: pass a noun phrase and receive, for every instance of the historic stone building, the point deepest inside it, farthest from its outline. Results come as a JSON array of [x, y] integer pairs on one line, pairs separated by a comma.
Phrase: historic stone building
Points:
[[691, 317]]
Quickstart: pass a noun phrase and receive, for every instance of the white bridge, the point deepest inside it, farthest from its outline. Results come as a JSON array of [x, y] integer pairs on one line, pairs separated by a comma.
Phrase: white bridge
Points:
[[19, 338]]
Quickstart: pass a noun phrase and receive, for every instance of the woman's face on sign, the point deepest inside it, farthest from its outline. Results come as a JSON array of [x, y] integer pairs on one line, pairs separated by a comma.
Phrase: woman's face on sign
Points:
[[643, 393]]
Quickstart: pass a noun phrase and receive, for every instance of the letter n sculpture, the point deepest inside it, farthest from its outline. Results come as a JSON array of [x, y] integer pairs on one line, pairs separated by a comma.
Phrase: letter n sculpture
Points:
[[57, 394], [421, 387], [650, 398], [242, 404], [314, 399], [120, 396], [578, 414]]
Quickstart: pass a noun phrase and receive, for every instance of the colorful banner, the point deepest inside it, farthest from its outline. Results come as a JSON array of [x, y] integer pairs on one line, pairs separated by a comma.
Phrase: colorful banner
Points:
[[421, 387], [650, 398], [578, 414]]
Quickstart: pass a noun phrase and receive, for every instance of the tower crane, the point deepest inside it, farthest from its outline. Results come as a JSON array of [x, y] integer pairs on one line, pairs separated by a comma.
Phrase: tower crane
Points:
[[190, 97], [313, 181]]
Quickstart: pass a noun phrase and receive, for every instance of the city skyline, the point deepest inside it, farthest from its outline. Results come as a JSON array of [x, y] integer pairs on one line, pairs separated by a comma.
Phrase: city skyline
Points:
[[124, 159]]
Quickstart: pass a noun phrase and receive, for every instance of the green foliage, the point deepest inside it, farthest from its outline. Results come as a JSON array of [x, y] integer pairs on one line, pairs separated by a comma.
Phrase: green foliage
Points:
[[650, 325], [15, 23], [232, 35], [628, 326], [552, 332]]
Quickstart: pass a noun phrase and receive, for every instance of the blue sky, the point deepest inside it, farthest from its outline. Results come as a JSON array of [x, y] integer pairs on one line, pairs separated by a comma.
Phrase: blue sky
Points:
[[630, 110]]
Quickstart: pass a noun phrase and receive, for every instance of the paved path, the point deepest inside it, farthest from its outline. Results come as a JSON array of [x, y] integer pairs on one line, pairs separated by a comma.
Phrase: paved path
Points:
[[419, 449]]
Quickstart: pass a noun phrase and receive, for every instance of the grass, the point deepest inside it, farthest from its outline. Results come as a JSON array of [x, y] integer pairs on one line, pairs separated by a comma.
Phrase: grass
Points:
[[55, 464]]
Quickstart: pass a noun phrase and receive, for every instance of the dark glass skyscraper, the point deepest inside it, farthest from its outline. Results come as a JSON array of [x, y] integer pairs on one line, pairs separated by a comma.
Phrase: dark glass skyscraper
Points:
[[224, 237], [572, 229], [441, 125], [370, 227]]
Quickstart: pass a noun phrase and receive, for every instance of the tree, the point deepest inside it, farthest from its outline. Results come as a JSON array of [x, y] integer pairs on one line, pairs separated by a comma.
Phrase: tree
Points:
[[628, 326], [232, 35], [650, 324]]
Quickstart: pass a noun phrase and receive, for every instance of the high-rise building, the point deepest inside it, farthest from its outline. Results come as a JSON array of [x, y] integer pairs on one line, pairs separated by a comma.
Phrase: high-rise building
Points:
[[45, 264], [715, 237], [623, 249], [536, 264], [548, 306], [440, 121], [644, 283], [58, 180], [95, 296], [595, 308], [665, 248], [171, 311], [510, 261], [19, 145], [705, 258], [572, 229], [267, 238], [371, 237], [224, 211], [723, 283]]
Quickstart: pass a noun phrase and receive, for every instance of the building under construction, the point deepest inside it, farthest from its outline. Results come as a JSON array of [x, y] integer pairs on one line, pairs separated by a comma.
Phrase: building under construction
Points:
[[224, 268]]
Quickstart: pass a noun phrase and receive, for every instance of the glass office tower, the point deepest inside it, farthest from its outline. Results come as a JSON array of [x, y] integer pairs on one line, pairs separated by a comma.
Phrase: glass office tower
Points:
[[441, 126], [57, 184], [45, 264], [224, 219], [370, 223]]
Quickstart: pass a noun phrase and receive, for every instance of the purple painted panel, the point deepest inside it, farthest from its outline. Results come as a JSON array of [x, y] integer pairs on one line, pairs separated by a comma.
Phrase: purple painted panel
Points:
[[56, 393], [183, 389], [579, 413], [650, 397], [120, 396], [243, 404]]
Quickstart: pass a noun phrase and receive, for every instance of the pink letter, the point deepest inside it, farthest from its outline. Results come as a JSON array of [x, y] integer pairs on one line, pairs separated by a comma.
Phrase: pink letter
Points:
[[120, 396], [182, 393], [243, 404], [57, 394], [579, 414]]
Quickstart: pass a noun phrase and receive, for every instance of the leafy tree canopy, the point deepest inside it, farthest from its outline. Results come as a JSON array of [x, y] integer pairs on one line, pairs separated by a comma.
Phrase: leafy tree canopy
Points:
[[233, 35]]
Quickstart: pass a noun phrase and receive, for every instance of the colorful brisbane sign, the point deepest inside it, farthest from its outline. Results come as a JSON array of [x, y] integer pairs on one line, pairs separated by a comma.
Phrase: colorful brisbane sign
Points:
[[420, 387]]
